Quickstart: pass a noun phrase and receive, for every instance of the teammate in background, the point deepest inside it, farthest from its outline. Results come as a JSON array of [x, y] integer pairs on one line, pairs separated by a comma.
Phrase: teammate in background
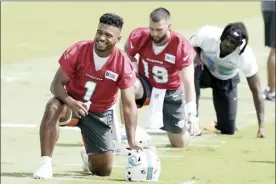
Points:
[[268, 9], [90, 71], [165, 60], [221, 54]]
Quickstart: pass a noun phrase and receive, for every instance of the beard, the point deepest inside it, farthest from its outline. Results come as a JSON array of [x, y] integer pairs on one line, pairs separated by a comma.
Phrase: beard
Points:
[[159, 40]]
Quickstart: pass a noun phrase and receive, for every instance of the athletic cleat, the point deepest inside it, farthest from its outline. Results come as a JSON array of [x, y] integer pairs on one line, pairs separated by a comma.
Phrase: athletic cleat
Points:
[[85, 163], [265, 93], [45, 171], [270, 97], [211, 127]]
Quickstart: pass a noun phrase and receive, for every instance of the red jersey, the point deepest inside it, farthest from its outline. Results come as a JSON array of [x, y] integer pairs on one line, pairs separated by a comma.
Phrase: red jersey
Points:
[[161, 70], [98, 86]]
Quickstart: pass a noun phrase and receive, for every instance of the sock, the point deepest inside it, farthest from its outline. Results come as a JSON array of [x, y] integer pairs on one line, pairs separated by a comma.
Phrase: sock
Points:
[[45, 159], [271, 95]]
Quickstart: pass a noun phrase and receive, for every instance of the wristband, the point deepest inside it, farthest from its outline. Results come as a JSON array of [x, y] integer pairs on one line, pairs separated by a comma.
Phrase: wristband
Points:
[[191, 108]]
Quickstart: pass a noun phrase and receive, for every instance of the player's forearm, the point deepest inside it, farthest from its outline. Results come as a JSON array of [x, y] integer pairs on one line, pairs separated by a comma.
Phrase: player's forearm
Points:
[[189, 87], [190, 94], [130, 118], [255, 87], [190, 98], [59, 92], [259, 106]]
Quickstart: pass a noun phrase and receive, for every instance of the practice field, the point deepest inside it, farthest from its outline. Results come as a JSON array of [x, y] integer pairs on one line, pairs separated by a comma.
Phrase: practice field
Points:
[[33, 37]]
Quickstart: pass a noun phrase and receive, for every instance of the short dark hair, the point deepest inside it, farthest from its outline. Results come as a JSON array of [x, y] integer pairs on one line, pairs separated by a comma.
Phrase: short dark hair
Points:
[[240, 28], [112, 20], [159, 14]]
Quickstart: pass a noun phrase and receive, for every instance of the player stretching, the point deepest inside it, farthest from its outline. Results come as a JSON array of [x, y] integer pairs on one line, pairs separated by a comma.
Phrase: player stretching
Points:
[[221, 54], [165, 59], [90, 71]]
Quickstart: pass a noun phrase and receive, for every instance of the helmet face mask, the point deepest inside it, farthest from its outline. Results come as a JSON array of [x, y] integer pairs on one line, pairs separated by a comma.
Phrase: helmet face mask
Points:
[[142, 166]]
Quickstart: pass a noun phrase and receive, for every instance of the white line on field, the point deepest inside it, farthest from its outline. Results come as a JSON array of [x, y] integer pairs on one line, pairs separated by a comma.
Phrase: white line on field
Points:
[[79, 165], [251, 112], [74, 179], [189, 182], [205, 145], [194, 143], [14, 125], [170, 156], [19, 125]]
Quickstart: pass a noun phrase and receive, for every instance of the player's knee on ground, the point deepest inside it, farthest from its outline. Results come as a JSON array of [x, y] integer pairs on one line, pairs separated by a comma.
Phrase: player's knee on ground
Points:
[[179, 140], [101, 164], [100, 171], [228, 132], [229, 128]]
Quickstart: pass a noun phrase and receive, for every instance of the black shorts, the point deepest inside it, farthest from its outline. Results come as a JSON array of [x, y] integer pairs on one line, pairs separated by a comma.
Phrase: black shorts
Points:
[[96, 130], [224, 97], [269, 28], [173, 107]]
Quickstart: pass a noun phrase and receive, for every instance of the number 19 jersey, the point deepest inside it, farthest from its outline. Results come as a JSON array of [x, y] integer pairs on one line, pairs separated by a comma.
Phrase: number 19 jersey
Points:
[[161, 70]]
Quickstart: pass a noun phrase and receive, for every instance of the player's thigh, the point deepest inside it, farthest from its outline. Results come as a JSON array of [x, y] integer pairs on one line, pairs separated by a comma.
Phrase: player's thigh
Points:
[[174, 112], [269, 28], [204, 78], [144, 89], [96, 130], [197, 78]]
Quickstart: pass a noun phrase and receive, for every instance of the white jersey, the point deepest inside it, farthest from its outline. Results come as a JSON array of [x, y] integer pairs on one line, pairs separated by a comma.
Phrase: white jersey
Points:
[[208, 39]]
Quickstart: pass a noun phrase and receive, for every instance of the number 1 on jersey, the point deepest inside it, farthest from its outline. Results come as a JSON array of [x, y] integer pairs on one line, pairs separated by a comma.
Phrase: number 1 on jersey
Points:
[[90, 87]]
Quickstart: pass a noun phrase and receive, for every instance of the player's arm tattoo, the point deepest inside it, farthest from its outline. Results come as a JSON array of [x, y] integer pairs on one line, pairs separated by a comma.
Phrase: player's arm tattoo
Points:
[[255, 87]]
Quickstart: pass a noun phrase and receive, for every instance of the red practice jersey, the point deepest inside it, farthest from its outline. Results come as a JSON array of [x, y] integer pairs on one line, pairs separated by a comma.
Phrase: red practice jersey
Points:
[[161, 70], [100, 87]]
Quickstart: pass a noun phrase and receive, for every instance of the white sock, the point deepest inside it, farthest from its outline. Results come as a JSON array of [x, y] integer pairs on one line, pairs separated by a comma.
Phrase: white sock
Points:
[[271, 94], [45, 159]]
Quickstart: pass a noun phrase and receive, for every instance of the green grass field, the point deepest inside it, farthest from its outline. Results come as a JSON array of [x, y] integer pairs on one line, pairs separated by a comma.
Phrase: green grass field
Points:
[[33, 37]]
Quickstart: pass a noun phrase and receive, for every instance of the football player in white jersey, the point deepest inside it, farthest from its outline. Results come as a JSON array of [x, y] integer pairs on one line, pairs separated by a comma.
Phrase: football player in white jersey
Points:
[[221, 53]]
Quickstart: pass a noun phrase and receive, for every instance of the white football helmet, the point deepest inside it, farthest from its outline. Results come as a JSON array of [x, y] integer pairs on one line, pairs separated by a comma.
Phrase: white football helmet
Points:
[[142, 166]]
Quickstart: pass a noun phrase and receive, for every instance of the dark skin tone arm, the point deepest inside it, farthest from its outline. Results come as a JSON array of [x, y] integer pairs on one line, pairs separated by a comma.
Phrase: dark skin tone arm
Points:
[[255, 87], [57, 86], [58, 90], [130, 115]]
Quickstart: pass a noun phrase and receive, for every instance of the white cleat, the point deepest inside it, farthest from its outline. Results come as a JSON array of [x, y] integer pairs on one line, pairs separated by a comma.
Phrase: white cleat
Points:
[[85, 163], [45, 171]]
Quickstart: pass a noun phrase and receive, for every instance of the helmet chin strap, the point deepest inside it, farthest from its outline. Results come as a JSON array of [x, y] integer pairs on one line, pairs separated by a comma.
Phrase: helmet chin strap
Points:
[[243, 42]]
